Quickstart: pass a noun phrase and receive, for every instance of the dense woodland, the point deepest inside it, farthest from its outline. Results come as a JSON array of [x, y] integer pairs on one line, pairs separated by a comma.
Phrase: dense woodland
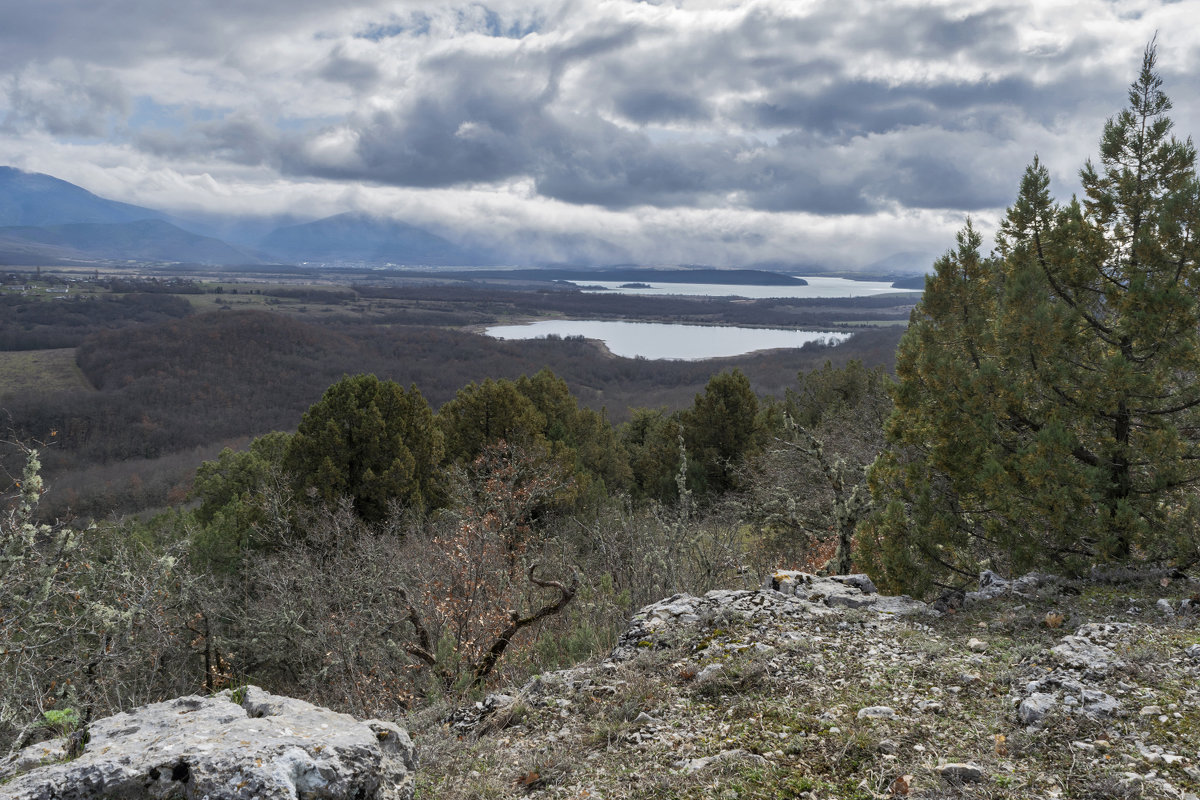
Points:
[[413, 513], [171, 385]]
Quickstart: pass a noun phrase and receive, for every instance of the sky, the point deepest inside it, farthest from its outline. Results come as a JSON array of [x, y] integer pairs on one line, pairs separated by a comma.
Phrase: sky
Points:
[[847, 134]]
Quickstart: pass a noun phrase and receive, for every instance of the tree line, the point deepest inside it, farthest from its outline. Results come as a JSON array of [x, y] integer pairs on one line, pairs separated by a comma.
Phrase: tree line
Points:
[[204, 381]]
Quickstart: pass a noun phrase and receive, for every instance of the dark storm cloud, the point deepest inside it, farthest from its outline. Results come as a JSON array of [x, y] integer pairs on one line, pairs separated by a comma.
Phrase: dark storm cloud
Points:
[[660, 104], [239, 138], [761, 115], [929, 31], [354, 72]]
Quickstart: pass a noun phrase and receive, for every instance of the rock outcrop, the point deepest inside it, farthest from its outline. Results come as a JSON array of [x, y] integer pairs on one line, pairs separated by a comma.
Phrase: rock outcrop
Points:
[[785, 595], [216, 748], [1020, 689]]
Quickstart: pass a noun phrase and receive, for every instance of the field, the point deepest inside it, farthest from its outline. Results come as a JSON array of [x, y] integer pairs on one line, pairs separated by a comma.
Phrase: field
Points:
[[37, 371]]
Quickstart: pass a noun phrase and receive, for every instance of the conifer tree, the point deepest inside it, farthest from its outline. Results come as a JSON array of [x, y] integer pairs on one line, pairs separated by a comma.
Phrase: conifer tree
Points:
[[371, 441], [1048, 402]]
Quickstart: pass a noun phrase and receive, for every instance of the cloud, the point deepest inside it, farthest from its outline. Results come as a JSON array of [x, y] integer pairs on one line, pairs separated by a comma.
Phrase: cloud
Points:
[[64, 100], [760, 119], [344, 67]]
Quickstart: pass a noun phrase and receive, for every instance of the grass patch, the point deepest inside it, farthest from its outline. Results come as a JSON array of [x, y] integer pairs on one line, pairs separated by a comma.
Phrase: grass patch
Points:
[[35, 371]]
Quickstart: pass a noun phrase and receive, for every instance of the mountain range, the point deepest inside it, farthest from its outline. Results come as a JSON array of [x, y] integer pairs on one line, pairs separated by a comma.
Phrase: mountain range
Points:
[[45, 220]]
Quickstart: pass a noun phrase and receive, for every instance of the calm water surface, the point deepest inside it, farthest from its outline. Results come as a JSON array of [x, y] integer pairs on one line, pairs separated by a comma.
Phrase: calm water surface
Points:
[[817, 287], [662, 340]]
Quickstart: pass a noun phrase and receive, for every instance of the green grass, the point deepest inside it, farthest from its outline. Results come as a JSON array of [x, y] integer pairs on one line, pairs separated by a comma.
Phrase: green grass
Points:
[[40, 371]]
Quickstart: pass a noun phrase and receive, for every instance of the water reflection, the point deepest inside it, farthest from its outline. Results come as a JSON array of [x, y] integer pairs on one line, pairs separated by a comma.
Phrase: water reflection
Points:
[[662, 340]]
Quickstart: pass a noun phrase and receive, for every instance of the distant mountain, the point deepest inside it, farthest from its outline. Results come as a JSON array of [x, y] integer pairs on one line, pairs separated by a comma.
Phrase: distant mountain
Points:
[[34, 199], [15, 251], [914, 282], [141, 240], [358, 238]]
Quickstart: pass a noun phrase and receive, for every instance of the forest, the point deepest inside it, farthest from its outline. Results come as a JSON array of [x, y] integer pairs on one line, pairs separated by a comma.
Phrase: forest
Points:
[[170, 372]]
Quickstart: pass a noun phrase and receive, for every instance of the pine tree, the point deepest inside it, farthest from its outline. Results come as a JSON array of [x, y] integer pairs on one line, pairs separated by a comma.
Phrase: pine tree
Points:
[[1048, 402]]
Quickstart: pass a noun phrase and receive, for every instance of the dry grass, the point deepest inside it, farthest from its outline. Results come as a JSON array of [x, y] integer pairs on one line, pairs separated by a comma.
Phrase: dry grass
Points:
[[25, 371]]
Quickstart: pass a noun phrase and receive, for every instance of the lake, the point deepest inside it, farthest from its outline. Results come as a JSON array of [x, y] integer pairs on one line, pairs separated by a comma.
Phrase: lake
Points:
[[817, 287], [662, 340]]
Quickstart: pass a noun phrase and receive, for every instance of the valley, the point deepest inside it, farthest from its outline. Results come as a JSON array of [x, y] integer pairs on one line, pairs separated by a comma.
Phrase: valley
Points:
[[143, 372]]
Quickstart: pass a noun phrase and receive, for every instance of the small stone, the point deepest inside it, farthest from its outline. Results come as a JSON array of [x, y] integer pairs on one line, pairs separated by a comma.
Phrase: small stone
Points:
[[1150, 711], [1084, 746], [1035, 707], [1193, 652], [724, 757], [1164, 607], [1100, 704], [976, 645], [1076, 652], [960, 773], [877, 712]]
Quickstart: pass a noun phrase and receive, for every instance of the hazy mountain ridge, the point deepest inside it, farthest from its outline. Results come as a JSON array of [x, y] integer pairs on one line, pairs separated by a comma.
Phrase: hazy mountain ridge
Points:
[[34, 199], [47, 220], [145, 239], [355, 237], [35, 207]]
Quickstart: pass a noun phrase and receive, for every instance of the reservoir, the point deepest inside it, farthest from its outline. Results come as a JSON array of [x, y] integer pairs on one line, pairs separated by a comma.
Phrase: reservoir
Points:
[[661, 340], [817, 287]]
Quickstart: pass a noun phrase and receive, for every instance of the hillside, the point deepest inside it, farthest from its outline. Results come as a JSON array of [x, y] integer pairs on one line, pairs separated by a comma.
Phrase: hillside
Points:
[[35, 199], [356, 238], [139, 240], [1039, 687]]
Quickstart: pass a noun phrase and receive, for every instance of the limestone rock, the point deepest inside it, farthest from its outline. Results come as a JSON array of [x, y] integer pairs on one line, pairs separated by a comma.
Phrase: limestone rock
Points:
[[992, 586], [723, 758], [1100, 704], [845, 591], [877, 712], [471, 717], [1035, 707], [960, 773], [1076, 652], [214, 748]]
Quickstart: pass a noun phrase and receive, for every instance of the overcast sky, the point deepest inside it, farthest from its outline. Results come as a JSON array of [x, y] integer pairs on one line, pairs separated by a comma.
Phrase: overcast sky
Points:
[[726, 132]]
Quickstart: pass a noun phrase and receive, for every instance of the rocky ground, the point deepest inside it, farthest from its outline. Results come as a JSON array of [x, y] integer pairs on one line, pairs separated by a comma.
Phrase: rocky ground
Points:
[[820, 688]]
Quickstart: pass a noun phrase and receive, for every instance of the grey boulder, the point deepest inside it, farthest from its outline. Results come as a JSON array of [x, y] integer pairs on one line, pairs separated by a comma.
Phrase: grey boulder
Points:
[[211, 747]]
